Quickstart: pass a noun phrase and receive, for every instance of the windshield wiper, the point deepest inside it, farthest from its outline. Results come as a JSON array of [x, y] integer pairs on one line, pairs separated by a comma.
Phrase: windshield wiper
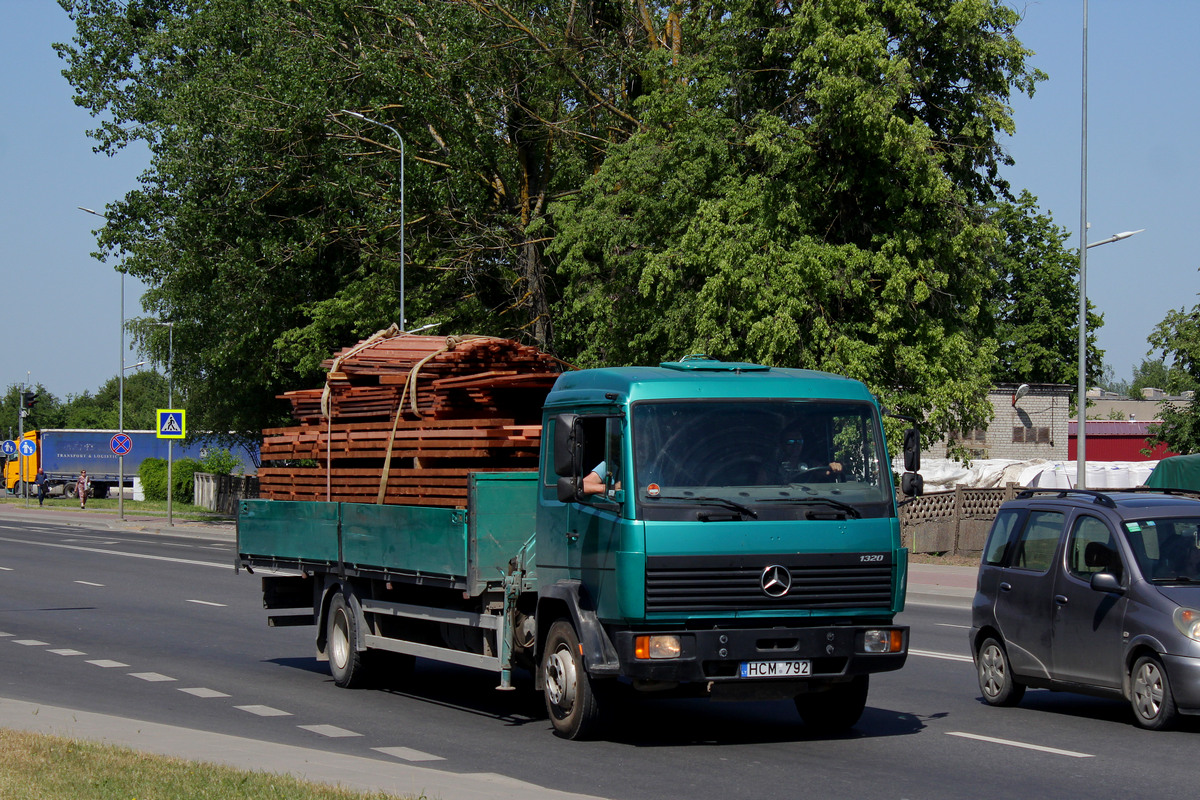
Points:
[[826, 501], [732, 505]]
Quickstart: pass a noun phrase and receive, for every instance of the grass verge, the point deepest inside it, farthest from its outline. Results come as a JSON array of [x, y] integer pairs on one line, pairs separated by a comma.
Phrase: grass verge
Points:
[[38, 767]]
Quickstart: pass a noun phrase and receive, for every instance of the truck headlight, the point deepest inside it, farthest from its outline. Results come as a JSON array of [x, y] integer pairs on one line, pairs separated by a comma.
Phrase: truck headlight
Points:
[[886, 640], [657, 646], [1187, 620]]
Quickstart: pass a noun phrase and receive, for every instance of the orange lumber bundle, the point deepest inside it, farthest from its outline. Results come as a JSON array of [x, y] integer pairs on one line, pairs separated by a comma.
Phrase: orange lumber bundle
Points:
[[404, 419]]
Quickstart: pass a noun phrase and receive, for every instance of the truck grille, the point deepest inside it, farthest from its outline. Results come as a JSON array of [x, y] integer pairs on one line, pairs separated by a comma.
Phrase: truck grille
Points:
[[735, 583]]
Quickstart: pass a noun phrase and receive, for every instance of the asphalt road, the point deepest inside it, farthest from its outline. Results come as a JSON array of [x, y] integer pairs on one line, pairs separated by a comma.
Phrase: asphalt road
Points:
[[157, 628]]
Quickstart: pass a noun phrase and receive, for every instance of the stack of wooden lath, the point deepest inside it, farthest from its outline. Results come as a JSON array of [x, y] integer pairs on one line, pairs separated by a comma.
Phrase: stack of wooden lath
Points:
[[470, 404]]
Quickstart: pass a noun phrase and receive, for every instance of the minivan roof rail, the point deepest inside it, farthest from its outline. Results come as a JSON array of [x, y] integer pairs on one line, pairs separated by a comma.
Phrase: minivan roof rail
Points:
[[1097, 496]]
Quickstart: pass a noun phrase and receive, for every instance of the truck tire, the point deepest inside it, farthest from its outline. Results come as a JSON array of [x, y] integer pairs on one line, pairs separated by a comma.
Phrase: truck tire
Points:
[[346, 663], [836, 709], [571, 699]]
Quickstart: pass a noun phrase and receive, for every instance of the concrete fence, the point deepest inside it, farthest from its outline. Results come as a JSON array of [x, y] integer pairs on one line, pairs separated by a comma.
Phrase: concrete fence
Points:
[[221, 493], [955, 522]]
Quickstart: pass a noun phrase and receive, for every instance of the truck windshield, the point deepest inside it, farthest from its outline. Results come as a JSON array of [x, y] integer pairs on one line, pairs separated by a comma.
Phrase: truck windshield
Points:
[[774, 459]]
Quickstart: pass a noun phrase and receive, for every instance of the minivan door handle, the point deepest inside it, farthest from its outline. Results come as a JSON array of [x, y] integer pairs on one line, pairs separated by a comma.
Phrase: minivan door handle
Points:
[[1060, 599], [1005, 586]]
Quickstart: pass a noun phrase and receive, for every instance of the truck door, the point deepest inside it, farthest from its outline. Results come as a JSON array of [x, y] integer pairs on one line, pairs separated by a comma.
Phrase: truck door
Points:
[[1024, 602], [1087, 637], [592, 523]]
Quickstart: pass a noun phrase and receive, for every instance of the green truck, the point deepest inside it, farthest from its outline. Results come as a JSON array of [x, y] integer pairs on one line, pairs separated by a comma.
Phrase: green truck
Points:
[[721, 529]]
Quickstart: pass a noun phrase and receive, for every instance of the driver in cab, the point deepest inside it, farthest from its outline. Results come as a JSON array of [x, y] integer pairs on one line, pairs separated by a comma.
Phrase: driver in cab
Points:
[[798, 466]]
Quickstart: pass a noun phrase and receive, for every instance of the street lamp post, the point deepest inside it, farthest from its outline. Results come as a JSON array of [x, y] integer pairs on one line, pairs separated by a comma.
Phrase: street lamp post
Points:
[[395, 133], [1081, 400], [120, 389]]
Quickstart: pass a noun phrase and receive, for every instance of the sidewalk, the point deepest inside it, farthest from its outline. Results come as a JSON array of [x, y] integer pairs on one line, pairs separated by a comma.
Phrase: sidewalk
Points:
[[941, 585]]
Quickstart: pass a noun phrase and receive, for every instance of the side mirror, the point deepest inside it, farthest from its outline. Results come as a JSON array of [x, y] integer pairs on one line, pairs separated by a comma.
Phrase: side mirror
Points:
[[912, 484], [1107, 582], [566, 448], [568, 489], [912, 450]]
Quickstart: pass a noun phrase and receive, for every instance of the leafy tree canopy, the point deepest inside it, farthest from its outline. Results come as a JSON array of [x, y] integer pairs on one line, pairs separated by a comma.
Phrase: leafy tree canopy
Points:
[[801, 184]]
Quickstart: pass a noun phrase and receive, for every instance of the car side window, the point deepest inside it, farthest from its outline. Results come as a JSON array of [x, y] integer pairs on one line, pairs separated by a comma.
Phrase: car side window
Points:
[[1092, 549], [995, 551], [1039, 540]]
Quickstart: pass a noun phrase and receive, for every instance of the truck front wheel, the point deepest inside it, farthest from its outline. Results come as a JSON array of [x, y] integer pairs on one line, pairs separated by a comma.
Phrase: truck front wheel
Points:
[[570, 697], [836, 709], [347, 665]]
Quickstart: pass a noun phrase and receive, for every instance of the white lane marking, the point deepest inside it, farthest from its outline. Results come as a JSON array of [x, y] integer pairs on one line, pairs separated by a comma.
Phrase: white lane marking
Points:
[[102, 551], [264, 711], [200, 691], [30, 642], [89, 583], [3, 634], [108, 541], [407, 754], [943, 656], [107, 663], [153, 677], [6, 569], [332, 731], [207, 603], [1023, 745], [64, 651], [948, 625]]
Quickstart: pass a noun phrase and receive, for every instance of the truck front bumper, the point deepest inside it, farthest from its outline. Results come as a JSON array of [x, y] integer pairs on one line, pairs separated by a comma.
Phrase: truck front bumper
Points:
[[716, 656]]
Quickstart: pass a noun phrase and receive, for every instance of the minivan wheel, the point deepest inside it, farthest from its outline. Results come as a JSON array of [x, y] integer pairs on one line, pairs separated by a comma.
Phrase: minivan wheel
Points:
[[1150, 695], [995, 675]]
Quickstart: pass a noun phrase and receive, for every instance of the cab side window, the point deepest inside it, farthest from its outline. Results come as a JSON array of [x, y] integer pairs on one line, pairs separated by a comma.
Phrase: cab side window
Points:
[[1039, 540], [996, 551], [1091, 549]]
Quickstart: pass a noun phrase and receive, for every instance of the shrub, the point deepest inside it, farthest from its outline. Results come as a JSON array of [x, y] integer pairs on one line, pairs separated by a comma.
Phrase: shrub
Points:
[[219, 461], [153, 474]]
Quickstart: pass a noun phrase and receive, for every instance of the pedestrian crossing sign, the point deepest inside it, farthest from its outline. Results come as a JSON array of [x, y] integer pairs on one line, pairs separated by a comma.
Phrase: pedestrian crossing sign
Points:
[[172, 423]]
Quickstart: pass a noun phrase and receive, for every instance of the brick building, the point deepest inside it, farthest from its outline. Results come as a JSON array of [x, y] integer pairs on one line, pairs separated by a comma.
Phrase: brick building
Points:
[[1031, 426]]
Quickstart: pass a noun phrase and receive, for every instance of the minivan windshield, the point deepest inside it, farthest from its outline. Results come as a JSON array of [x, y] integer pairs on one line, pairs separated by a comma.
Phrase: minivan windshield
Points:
[[769, 459], [1167, 549]]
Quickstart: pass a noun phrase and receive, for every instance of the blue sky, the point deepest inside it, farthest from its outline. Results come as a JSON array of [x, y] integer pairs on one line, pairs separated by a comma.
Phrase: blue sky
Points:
[[62, 307]]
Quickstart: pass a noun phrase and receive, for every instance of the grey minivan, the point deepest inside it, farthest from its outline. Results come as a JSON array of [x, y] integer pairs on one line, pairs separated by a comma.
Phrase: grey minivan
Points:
[[1093, 592]]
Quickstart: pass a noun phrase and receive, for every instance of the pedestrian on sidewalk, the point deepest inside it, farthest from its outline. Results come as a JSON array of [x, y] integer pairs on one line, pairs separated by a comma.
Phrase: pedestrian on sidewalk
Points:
[[82, 486], [40, 480]]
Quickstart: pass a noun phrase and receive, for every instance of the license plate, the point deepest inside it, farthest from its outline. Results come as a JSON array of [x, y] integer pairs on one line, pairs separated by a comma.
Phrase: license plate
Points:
[[776, 669]]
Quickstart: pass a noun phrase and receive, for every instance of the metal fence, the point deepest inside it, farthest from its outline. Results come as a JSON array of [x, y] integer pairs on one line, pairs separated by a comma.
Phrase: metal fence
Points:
[[954, 522]]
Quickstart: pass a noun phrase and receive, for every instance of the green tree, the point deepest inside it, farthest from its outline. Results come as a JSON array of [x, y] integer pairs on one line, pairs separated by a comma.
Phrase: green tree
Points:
[[1156, 373], [1036, 300], [803, 184], [807, 188]]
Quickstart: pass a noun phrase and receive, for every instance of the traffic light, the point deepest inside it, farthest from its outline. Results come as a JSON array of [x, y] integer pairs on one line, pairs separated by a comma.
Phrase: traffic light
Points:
[[28, 399]]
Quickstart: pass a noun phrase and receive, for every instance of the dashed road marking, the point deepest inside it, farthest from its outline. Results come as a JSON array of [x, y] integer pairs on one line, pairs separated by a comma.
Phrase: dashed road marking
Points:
[[66, 651], [1023, 745], [6, 569], [153, 677], [30, 642], [407, 754], [89, 583], [200, 691], [107, 663], [948, 625], [943, 656], [3, 634], [332, 731], [207, 603], [264, 711]]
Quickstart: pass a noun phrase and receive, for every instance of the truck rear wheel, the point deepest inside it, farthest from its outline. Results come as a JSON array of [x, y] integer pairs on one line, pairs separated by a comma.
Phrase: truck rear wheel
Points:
[[346, 663], [570, 697], [836, 709]]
